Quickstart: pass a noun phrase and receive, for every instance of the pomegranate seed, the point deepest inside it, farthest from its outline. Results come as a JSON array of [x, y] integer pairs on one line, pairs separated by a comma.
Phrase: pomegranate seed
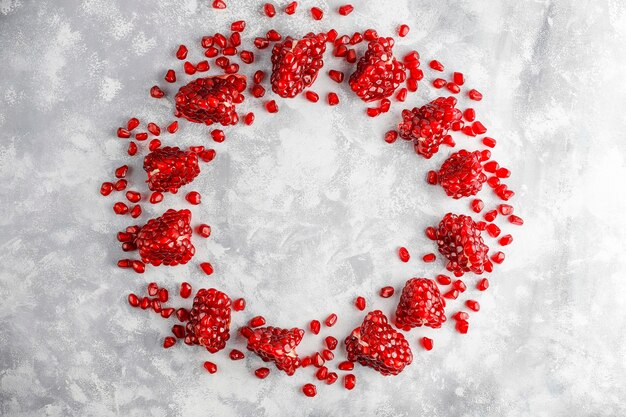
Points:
[[211, 52], [163, 295], [460, 315], [261, 43], [331, 342], [475, 95], [291, 8], [236, 355], [309, 390], [391, 136], [207, 41], [431, 233], [258, 77], [431, 177], [314, 326], [257, 321], [331, 36], [490, 142], [156, 92], [516, 220], [106, 188], [349, 381], [346, 366], [168, 342], [153, 289], [133, 196], [141, 136], [453, 88], [269, 10], [436, 65], [167, 312], [133, 300], [493, 230], [312, 96], [144, 303], [208, 155], [462, 326], [139, 267], [327, 354], [331, 320], [185, 290], [483, 284], [234, 39], [477, 205], [332, 99], [493, 182], [262, 373], [257, 91], [133, 122], [469, 114], [505, 240], [478, 128], [439, 83], [351, 56], [156, 306], [386, 292], [189, 68], [427, 343], [178, 331], [404, 255], [346, 9], [331, 378], [123, 133], [173, 127], [360, 303], [505, 209], [182, 314], [403, 30], [229, 51], [498, 257], [247, 57], [206, 267], [170, 76], [239, 304], [401, 95], [271, 106], [249, 119], [452, 295], [336, 76], [491, 215], [204, 230], [210, 367], [459, 285], [193, 197], [120, 185], [317, 13], [356, 39], [322, 373], [222, 62], [154, 145], [156, 197], [472, 305], [238, 26], [203, 66], [181, 53], [120, 208], [443, 279], [429, 257], [306, 361], [121, 171], [317, 360], [458, 78], [218, 135], [503, 173]]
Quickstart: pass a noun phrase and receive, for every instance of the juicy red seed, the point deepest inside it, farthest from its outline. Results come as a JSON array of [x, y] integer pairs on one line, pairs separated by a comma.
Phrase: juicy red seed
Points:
[[133, 122], [173, 127], [229, 51], [391, 136], [490, 142], [498, 257], [346, 9], [261, 43], [206, 267], [189, 68], [262, 373], [351, 56], [493, 181], [331, 320], [475, 95], [273, 36], [403, 254], [431, 177], [154, 145], [156, 197], [312, 96], [153, 289], [453, 88], [336, 76], [429, 257], [462, 326], [178, 331], [331, 342], [401, 95], [239, 304], [120, 208], [443, 279], [135, 211], [106, 188], [306, 361], [204, 230], [156, 92], [436, 65], [315, 326], [138, 266], [411, 84], [452, 294], [503, 173], [163, 295], [170, 76], [349, 381], [121, 171], [505, 209], [248, 119], [257, 321], [141, 136], [458, 78], [403, 30], [133, 196], [460, 315], [472, 305], [431, 233], [144, 303], [478, 128], [505, 240], [238, 26], [257, 91], [167, 312], [207, 155], [258, 77], [291, 7], [356, 38], [322, 373], [493, 230], [234, 39], [483, 284], [247, 57], [385, 104], [211, 52], [123, 133], [491, 215], [328, 355], [459, 285], [181, 53], [182, 314], [185, 290], [236, 355], [309, 390], [332, 99], [360, 303], [477, 205], [516, 220], [346, 366], [317, 360], [427, 343], [469, 114], [386, 292], [222, 62], [269, 10], [168, 342], [133, 300], [204, 66], [439, 83], [271, 106], [193, 197], [317, 13], [120, 185], [210, 367], [417, 74]]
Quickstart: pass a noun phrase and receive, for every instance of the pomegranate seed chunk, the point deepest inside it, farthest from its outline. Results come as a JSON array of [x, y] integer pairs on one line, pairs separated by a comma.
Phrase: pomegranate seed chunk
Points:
[[403, 254], [271, 106], [269, 10], [257, 321], [193, 197], [475, 95], [349, 381], [331, 320], [315, 326], [236, 355], [483, 284], [239, 304], [262, 373], [516, 220], [386, 292], [185, 290], [360, 303], [345, 9], [333, 99], [472, 305], [210, 367], [443, 279], [429, 257], [309, 390], [403, 30], [436, 65], [317, 13], [168, 342], [427, 343], [207, 268]]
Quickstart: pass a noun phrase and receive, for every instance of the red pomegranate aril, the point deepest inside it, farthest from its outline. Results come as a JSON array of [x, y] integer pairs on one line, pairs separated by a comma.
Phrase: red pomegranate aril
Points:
[[135, 211], [258, 77], [332, 99], [345, 9], [462, 326], [477, 205], [489, 142], [167, 312], [317, 360], [356, 38], [163, 295], [309, 390], [122, 133], [331, 320], [133, 300], [204, 230], [257, 91], [306, 361], [360, 303], [315, 326], [317, 13], [490, 215], [261, 43], [207, 155], [144, 303], [239, 304], [189, 68], [120, 208], [271, 106], [453, 88], [139, 267], [386, 292], [193, 197], [120, 185], [262, 373], [156, 197], [341, 51], [220, 40], [121, 171], [493, 230], [218, 135], [493, 182], [238, 26], [346, 366], [459, 285], [153, 289], [207, 41], [132, 123], [170, 76], [207, 268], [219, 4], [503, 173], [210, 367], [222, 62], [124, 263], [443, 279], [401, 95], [234, 39], [141, 136], [247, 57], [469, 114], [321, 373], [156, 306], [351, 56], [203, 66], [385, 105], [391, 136], [436, 65], [439, 82], [331, 378], [349, 381], [181, 53], [411, 84], [327, 354], [257, 321], [475, 95], [429, 257], [211, 52], [336, 76], [472, 305], [156, 92], [331, 343], [312, 96], [403, 254], [498, 257], [427, 343], [133, 196], [452, 294], [236, 355], [513, 219], [269, 10], [431, 177], [403, 30], [106, 188], [168, 342], [182, 314], [228, 51], [431, 233], [172, 127], [185, 290], [248, 119], [505, 240], [460, 315], [331, 36], [178, 331], [154, 129], [291, 8], [478, 128], [372, 111], [483, 284]]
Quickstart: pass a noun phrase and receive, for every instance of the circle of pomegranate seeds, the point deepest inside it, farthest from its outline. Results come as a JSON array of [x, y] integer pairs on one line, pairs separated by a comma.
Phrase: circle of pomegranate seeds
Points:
[[193, 197], [403, 254], [262, 373], [309, 390], [207, 268], [349, 381], [386, 292], [427, 343], [210, 367]]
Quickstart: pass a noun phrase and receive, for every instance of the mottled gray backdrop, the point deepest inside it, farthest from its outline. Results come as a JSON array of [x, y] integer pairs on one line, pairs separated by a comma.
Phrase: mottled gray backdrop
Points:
[[308, 208]]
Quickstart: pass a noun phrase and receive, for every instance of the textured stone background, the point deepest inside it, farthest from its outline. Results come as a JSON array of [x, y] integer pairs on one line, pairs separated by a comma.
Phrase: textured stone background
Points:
[[308, 208]]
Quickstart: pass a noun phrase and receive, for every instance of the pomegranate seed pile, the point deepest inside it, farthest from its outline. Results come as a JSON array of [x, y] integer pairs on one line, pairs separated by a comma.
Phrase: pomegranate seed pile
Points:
[[213, 92]]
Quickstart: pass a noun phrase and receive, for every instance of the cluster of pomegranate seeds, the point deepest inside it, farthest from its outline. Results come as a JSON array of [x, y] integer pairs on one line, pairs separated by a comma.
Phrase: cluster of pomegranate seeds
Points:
[[420, 304], [211, 100], [378, 73], [273, 344], [170, 168], [375, 343], [462, 174], [428, 126], [166, 239], [296, 64], [460, 241], [209, 320]]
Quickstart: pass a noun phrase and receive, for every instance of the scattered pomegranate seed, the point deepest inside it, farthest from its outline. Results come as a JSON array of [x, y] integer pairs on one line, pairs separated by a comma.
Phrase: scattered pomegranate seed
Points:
[[210, 367], [336, 76], [452, 294], [458, 78], [505, 240], [291, 8], [236, 355], [360, 303], [173, 127], [133, 196], [472, 305], [453, 88], [462, 326], [490, 215], [404, 255], [309, 390], [262, 373], [391, 136], [185, 290], [120, 185], [483, 284], [333, 99], [133, 300], [346, 9], [314, 326], [439, 82], [133, 122], [206, 267], [238, 26], [321, 373], [436, 65], [106, 188], [331, 378], [249, 119], [271, 106], [460, 315], [469, 114], [257, 321], [403, 30], [431, 233], [239, 304], [346, 366], [156, 197], [168, 342], [498, 257], [247, 57], [312, 96], [123, 133], [489, 142], [331, 343], [193, 197], [427, 343], [475, 95], [181, 53], [516, 220], [318, 360], [317, 13], [331, 320], [203, 66], [349, 381], [120, 208], [429, 257], [386, 292], [477, 205], [328, 355], [269, 10], [204, 230], [401, 95], [443, 279]]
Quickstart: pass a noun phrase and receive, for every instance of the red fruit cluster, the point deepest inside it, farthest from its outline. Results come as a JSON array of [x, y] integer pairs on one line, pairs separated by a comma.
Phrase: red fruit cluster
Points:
[[170, 168], [209, 320], [211, 100], [375, 343], [460, 241], [378, 73], [420, 304], [296, 63], [278, 346], [167, 239], [428, 126], [462, 174]]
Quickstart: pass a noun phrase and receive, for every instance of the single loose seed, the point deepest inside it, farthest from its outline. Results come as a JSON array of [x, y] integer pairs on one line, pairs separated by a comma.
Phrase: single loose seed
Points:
[[309, 390], [360, 303], [436, 65], [206, 267], [291, 8], [269, 10], [443, 279], [386, 292], [427, 343], [257, 321], [346, 366], [210, 367], [429, 257], [193, 197], [185, 290], [315, 326], [475, 95], [168, 342], [403, 254], [236, 355], [317, 13], [262, 373], [331, 343], [332, 99], [331, 320], [403, 30], [239, 304], [349, 381], [472, 305], [482, 284], [345, 9]]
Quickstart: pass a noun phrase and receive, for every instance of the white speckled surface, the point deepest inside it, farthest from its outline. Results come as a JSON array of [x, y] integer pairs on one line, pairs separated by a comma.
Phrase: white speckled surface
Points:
[[308, 208]]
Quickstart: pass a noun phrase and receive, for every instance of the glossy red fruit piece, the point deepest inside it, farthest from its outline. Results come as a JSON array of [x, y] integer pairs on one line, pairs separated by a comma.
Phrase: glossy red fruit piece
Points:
[[332, 99], [236, 355], [460, 241], [257, 321], [156, 92], [133, 300], [168, 342], [360, 303], [315, 326], [309, 390], [386, 292], [436, 65], [420, 304], [239, 304], [207, 268], [427, 343], [403, 254], [516, 220], [403, 30], [269, 10], [209, 320], [429, 257], [210, 367], [278, 346], [317, 13], [185, 290], [349, 381], [193, 197], [482, 284], [170, 168], [262, 373], [475, 95], [166, 239], [345, 9], [331, 320], [505, 240], [204, 230], [462, 326]]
